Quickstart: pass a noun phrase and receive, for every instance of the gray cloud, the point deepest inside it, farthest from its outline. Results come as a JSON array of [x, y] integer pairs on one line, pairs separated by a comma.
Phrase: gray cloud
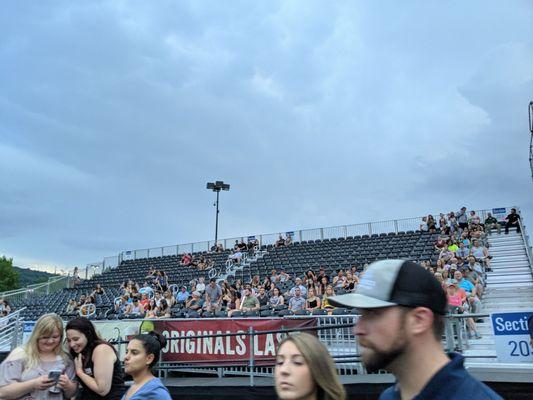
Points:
[[114, 115]]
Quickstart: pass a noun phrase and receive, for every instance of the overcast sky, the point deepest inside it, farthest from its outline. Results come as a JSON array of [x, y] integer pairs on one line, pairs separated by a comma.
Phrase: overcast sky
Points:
[[115, 114]]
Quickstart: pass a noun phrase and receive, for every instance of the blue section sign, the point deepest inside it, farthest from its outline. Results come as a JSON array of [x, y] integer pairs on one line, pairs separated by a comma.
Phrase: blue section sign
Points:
[[513, 336], [511, 323]]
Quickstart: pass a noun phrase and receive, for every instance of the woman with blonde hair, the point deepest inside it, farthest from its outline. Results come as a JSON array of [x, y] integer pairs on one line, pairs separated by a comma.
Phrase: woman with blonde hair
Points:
[[40, 369], [305, 370]]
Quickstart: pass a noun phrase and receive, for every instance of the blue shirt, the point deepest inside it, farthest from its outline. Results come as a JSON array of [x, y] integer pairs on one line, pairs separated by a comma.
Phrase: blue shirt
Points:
[[466, 285], [151, 390], [182, 296], [452, 382]]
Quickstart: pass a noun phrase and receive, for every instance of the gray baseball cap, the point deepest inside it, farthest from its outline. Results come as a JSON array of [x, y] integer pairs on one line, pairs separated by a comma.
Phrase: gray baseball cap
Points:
[[388, 283]]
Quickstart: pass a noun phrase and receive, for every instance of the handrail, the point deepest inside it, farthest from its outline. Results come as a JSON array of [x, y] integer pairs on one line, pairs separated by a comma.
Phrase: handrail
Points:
[[10, 326], [526, 244]]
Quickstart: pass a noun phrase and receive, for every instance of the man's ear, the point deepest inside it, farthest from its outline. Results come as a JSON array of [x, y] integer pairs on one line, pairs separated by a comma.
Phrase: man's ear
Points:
[[420, 320]]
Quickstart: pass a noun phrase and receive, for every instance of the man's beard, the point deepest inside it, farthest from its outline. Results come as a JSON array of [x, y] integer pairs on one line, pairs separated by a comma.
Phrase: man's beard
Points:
[[375, 360]]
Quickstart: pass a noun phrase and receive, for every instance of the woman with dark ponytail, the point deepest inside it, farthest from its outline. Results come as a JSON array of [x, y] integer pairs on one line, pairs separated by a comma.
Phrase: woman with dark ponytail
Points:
[[142, 354]]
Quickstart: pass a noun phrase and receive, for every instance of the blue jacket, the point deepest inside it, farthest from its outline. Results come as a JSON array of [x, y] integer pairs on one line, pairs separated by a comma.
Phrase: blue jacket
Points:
[[452, 382]]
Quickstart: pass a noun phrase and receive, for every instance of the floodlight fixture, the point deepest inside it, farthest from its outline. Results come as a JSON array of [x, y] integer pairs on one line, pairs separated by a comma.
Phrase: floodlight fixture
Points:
[[217, 186]]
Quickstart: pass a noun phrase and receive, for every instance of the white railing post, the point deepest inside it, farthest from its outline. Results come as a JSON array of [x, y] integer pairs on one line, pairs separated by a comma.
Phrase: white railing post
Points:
[[370, 228], [321, 233], [396, 226], [345, 230]]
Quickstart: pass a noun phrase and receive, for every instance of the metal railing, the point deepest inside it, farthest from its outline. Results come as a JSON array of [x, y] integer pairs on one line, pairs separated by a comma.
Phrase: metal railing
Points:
[[525, 239], [368, 228], [332, 330], [53, 285], [11, 330]]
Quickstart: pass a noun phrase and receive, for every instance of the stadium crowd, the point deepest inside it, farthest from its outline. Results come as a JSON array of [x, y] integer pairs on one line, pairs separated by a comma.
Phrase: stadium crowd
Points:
[[463, 258]]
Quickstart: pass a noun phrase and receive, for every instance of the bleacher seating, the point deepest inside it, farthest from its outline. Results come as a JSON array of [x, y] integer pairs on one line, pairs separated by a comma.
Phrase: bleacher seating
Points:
[[296, 259]]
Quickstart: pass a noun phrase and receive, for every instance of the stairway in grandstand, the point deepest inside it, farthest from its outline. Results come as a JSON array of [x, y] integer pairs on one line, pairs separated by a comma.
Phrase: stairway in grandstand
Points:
[[509, 287]]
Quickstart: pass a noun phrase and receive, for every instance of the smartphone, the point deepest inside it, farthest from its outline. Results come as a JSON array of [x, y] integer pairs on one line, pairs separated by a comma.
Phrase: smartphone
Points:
[[54, 375]]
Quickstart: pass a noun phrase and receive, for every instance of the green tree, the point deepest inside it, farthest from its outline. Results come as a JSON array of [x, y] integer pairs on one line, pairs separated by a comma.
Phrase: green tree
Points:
[[9, 278]]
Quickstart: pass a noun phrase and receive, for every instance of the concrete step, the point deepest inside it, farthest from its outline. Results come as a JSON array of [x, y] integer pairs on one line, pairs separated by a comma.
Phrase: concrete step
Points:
[[509, 278], [509, 271], [503, 270], [511, 285], [509, 258], [505, 251]]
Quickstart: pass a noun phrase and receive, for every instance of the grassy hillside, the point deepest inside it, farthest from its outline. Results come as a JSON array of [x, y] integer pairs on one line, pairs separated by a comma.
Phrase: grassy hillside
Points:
[[29, 276]]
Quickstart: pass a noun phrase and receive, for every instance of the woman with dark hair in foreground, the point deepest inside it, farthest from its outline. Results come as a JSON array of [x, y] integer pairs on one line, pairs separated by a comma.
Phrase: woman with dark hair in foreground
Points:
[[97, 363], [141, 355]]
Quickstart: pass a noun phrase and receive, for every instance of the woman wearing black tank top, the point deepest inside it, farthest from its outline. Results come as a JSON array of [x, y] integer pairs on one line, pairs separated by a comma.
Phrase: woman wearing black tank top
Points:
[[97, 363]]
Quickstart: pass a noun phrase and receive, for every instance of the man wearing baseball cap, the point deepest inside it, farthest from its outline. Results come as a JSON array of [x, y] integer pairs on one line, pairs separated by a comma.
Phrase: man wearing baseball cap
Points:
[[402, 308]]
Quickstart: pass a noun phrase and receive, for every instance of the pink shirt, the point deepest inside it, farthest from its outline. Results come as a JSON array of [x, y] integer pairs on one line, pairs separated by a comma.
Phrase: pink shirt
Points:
[[455, 300]]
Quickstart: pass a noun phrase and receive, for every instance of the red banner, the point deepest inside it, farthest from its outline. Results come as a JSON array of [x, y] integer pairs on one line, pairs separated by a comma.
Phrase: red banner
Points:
[[234, 350]]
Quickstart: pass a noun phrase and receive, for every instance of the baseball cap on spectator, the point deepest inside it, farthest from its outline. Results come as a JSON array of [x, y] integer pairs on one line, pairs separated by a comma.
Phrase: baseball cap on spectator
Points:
[[451, 282], [388, 283], [196, 293]]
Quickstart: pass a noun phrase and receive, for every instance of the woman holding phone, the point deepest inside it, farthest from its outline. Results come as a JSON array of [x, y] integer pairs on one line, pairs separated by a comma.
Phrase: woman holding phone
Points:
[[40, 369], [96, 361]]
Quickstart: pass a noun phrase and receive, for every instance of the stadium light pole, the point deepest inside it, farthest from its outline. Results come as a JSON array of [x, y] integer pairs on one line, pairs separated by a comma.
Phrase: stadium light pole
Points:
[[217, 186]]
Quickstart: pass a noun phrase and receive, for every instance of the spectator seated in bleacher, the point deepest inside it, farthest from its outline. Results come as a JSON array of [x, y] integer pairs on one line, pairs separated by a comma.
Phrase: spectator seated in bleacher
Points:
[[169, 297], [440, 243], [72, 306], [98, 290], [4, 306], [158, 296], [351, 281], [163, 310], [253, 245], [443, 224], [424, 225], [150, 309], [201, 264], [182, 296], [298, 285], [462, 251], [186, 260], [288, 240], [313, 301], [235, 256], [329, 293], [262, 297], [276, 299], [283, 276], [297, 301], [339, 280], [135, 309], [233, 303], [280, 242], [452, 245], [249, 302], [200, 286], [196, 302], [480, 252], [474, 219], [144, 300], [120, 305], [267, 284], [513, 221], [492, 223], [322, 274]]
